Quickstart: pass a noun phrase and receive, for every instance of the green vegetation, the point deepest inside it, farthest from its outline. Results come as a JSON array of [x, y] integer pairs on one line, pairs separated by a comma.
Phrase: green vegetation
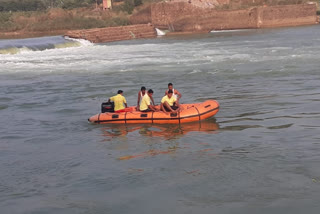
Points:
[[78, 23], [5, 21], [36, 5], [62, 15], [128, 6], [70, 4], [24, 5], [42, 5], [58, 20]]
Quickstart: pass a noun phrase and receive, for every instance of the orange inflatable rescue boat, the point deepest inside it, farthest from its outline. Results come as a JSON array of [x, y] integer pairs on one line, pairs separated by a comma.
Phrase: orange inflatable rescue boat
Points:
[[189, 113]]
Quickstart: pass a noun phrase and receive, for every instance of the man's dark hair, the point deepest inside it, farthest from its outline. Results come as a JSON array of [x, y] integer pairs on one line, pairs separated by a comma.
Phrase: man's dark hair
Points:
[[143, 88], [120, 91], [170, 91], [170, 84], [150, 91]]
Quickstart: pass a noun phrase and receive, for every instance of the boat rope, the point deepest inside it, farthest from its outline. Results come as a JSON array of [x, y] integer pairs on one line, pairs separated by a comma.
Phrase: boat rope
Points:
[[198, 113]]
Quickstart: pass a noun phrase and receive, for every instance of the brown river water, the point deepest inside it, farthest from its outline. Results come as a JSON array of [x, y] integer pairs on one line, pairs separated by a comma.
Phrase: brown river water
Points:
[[259, 154]]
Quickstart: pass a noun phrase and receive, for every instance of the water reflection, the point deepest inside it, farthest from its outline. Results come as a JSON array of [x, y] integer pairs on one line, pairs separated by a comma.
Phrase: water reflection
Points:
[[120, 138], [164, 131]]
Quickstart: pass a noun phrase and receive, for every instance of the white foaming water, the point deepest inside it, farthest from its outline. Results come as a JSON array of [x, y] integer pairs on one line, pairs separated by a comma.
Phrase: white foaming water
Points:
[[83, 42], [14, 50], [227, 31], [151, 54], [160, 32], [16, 46]]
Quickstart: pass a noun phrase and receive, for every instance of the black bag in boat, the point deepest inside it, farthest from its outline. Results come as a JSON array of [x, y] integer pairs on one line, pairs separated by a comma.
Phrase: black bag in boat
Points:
[[107, 107]]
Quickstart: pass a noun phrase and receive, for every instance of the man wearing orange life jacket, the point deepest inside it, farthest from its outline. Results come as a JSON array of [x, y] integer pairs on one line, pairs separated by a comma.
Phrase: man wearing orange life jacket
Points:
[[119, 100]]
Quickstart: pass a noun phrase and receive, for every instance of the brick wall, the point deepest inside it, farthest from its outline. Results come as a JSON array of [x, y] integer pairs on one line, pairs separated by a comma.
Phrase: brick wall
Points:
[[288, 15], [204, 3], [165, 14], [218, 20], [182, 16], [111, 34], [185, 17], [143, 16]]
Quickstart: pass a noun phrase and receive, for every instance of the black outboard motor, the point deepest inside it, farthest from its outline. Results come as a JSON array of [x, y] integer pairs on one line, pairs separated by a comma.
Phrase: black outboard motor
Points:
[[107, 107]]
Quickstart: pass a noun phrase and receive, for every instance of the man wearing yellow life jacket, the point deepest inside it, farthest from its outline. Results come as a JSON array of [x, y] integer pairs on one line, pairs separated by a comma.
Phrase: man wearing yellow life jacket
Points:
[[145, 105], [175, 93], [119, 100], [169, 103], [141, 93]]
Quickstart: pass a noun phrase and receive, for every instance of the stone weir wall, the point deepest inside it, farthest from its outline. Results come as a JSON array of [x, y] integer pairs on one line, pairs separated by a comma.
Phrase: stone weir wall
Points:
[[287, 15], [184, 17], [111, 34]]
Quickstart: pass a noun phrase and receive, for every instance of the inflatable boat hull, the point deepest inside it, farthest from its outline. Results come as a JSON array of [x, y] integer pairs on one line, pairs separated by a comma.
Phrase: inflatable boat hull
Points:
[[190, 113]]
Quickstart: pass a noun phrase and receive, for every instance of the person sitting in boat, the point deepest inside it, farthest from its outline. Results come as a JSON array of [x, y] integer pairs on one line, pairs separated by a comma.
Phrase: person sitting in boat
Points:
[[169, 103], [141, 93], [119, 100], [145, 105], [176, 94]]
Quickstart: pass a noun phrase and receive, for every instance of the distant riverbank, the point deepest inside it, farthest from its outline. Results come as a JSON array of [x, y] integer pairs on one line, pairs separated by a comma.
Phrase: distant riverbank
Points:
[[183, 17], [57, 21], [177, 17]]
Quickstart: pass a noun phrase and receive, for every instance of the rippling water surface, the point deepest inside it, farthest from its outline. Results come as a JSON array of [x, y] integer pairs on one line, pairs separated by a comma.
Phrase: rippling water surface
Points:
[[259, 154]]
